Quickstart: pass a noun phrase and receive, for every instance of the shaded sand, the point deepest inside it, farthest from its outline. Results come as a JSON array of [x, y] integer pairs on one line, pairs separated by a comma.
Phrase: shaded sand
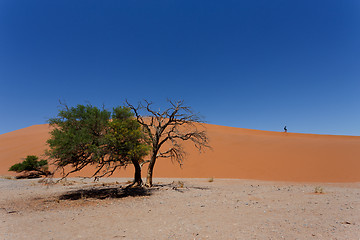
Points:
[[237, 153], [183, 209]]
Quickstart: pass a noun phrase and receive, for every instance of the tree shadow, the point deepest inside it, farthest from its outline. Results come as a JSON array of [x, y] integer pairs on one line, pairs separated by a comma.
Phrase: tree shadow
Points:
[[178, 186], [106, 192]]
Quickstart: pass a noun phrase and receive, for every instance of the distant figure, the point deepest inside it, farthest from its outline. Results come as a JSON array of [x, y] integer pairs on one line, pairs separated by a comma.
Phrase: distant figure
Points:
[[285, 129]]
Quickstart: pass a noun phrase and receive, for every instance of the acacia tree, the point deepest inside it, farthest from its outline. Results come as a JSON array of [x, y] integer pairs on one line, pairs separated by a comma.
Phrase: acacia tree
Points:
[[87, 135], [125, 140], [167, 129]]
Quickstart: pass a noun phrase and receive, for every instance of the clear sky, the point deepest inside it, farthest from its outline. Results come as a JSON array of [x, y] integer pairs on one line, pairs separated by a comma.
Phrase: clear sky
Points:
[[252, 64]]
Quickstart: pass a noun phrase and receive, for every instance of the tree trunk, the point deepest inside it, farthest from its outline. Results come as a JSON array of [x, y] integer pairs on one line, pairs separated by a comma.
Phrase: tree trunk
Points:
[[149, 182], [137, 176]]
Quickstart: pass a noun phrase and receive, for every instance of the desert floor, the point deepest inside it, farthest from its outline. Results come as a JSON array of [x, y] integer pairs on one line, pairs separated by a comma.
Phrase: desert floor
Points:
[[178, 209]]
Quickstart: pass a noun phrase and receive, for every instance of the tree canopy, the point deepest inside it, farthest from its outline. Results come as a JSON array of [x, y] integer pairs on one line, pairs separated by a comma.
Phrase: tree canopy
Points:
[[86, 135]]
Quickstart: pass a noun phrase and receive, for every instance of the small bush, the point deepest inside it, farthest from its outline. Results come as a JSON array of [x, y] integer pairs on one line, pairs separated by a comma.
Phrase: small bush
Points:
[[177, 184], [319, 190], [211, 179], [31, 163]]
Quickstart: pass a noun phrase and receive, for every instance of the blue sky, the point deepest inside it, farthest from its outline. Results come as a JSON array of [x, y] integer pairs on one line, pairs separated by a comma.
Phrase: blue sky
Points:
[[250, 64]]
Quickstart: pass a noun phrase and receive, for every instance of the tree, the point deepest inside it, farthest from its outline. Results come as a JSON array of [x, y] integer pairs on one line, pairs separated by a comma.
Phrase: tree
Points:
[[87, 135], [32, 167], [169, 128], [126, 140]]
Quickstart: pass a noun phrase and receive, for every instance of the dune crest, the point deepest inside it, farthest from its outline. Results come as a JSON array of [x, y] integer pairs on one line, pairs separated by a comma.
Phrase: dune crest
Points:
[[237, 153]]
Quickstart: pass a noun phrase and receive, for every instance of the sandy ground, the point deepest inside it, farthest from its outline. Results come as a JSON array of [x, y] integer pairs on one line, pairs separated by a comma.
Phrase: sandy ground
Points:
[[178, 209]]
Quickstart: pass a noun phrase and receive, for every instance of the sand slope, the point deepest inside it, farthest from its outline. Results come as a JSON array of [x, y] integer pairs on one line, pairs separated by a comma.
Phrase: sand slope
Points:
[[237, 153]]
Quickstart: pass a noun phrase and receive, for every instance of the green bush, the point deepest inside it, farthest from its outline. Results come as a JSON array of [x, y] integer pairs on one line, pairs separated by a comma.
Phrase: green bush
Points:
[[31, 163]]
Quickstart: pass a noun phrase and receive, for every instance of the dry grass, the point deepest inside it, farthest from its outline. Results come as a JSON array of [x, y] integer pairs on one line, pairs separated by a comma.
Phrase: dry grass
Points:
[[7, 177], [319, 190], [177, 184]]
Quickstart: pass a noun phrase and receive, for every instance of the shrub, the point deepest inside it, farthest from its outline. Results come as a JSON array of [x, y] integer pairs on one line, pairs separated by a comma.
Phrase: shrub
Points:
[[319, 190], [31, 163]]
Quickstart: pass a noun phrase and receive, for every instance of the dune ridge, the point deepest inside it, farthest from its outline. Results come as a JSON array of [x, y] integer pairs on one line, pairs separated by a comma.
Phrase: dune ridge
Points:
[[237, 153]]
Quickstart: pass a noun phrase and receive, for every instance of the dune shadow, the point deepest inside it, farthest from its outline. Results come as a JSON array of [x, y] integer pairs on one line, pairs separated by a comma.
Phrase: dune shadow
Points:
[[105, 192]]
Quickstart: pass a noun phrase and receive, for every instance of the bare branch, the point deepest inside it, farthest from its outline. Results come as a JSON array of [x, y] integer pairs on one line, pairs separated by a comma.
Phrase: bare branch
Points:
[[175, 124], [141, 164]]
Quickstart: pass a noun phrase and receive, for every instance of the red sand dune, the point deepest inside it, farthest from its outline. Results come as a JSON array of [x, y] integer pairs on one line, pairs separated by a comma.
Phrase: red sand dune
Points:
[[237, 153]]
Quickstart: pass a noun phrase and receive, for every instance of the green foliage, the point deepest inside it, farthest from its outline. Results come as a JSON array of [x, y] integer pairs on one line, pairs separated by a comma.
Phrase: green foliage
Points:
[[125, 138], [87, 135], [18, 167], [31, 163], [78, 135]]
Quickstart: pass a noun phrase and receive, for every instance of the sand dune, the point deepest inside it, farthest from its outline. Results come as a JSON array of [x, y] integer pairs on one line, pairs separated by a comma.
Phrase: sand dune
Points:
[[237, 153]]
